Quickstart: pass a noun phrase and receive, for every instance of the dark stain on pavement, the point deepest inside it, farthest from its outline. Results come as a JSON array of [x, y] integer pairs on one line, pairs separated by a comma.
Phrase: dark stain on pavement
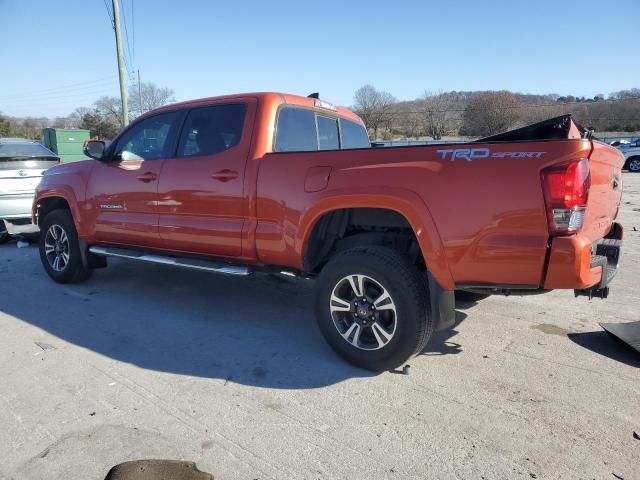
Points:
[[551, 329]]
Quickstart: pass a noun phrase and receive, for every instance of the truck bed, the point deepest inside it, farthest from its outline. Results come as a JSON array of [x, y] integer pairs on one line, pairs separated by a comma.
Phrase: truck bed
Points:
[[478, 208]]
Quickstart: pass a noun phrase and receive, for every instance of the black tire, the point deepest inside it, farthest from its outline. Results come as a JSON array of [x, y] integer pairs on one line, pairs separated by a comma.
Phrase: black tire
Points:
[[633, 164], [463, 296], [409, 320], [4, 235], [73, 270]]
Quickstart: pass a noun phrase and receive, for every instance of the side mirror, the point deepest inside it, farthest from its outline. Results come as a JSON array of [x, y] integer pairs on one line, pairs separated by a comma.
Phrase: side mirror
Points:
[[94, 149]]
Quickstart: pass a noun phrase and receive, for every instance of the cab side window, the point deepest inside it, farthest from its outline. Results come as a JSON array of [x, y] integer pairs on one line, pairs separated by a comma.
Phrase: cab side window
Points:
[[306, 130], [151, 139], [296, 130], [213, 129]]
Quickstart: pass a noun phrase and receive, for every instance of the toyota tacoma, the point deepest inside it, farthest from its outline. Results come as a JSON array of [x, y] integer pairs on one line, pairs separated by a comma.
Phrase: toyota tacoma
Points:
[[282, 183]]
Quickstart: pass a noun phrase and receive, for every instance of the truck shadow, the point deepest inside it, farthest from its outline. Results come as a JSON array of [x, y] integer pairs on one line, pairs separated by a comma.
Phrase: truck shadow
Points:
[[258, 330], [255, 330], [440, 343]]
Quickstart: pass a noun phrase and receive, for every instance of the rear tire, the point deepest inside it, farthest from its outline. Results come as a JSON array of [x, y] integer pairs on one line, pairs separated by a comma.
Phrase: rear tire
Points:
[[60, 248], [372, 307]]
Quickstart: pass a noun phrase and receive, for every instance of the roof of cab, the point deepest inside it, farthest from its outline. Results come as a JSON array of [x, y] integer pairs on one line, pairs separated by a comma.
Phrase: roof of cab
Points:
[[276, 97]]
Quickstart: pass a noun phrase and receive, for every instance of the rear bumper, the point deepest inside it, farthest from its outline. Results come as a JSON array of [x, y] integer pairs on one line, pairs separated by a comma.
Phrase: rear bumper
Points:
[[16, 206], [577, 263]]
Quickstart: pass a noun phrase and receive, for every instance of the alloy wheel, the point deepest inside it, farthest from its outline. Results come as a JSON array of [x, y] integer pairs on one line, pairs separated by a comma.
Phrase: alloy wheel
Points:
[[56, 248], [363, 312]]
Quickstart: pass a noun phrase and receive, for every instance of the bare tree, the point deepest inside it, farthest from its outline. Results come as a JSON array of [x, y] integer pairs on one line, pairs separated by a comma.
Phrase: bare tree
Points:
[[110, 108], [374, 107], [99, 126], [74, 119], [148, 97], [489, 113], [437, 114], [410, 124], [5, 127]]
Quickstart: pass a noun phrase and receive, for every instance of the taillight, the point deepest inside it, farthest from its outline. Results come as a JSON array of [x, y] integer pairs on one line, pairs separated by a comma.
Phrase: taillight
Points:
[[566, 191]]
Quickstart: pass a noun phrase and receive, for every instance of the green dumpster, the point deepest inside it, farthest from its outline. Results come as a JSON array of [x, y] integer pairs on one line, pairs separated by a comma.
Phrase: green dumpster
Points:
[[67, 143]]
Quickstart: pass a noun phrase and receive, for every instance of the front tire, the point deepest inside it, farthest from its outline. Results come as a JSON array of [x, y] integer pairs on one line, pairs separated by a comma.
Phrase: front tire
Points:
[[60, 248], [372, 307]]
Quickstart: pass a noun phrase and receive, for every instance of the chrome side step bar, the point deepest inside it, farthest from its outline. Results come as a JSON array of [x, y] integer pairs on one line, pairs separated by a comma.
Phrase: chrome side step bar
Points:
[[190, 263]]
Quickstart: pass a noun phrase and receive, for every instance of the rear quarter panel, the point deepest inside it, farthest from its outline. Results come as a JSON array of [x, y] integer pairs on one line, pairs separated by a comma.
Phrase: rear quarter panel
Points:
[[605, 164], [481, 221]]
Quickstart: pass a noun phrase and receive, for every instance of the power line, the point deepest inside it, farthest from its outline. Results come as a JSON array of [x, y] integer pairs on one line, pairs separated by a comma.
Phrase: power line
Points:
[[126, 36], [41, 95], [56, 97], [78, 85], [109, 12], [133, 32]]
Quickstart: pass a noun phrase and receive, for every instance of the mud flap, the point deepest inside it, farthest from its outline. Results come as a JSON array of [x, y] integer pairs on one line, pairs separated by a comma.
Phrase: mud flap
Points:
[[89, 260], [443, 305]]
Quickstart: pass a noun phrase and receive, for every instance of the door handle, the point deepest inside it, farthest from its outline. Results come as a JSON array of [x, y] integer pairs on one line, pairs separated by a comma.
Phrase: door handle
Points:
[[225, 175], [147, 177]]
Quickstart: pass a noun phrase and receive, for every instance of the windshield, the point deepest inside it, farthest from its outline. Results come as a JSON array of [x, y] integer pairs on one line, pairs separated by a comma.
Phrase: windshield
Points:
[[24, 149]]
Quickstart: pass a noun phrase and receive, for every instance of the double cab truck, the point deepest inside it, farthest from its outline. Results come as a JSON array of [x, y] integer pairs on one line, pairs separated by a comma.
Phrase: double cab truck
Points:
[[282, 183]]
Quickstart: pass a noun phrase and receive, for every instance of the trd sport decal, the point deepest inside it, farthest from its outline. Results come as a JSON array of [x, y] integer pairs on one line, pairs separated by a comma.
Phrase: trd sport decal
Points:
[[471, 154]]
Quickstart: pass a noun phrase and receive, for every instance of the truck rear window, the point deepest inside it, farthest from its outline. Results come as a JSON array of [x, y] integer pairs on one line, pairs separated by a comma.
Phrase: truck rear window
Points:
[[304, 130], [296, 131], [328, 136]]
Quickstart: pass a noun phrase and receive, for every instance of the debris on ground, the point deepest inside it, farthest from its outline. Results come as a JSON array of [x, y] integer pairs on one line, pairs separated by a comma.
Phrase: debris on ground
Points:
[[155, 469], [628, 332], [45, 346], [22, 244]]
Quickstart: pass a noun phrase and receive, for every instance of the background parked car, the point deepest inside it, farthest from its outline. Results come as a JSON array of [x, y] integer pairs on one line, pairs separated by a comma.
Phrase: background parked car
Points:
[[22, 164], [632, 156], [619, 143]]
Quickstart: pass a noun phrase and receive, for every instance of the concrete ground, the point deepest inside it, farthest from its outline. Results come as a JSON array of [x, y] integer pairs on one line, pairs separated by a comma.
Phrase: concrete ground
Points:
[[149, 362]]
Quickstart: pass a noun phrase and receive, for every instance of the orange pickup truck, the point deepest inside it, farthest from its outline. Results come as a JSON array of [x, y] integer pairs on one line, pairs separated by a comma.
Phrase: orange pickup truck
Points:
[[282, 183]]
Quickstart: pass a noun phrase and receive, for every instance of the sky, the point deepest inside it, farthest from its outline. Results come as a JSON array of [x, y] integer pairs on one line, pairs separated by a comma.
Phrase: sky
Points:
[[58, 55]]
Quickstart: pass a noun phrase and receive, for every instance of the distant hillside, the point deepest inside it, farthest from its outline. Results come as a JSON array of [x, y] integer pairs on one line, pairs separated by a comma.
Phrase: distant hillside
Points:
[[478, 113]]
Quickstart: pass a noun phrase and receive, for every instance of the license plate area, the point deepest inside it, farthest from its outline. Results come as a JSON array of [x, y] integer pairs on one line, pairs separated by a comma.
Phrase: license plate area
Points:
[[18, 185]]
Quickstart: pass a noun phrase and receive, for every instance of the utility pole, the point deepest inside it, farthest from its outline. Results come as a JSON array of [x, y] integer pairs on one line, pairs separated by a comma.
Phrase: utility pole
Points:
[[139, 94], [121, 67]]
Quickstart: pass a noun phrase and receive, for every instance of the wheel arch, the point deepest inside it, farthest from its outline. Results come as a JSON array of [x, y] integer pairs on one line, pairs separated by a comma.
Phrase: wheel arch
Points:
[[403, 204], [57, 199]]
